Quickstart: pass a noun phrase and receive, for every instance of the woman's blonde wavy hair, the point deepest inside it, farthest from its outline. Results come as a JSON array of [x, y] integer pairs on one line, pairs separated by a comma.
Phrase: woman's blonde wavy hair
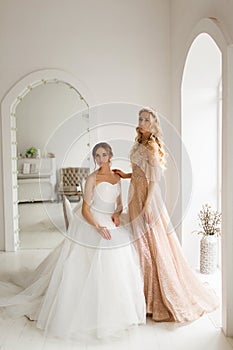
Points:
[[155, 136]]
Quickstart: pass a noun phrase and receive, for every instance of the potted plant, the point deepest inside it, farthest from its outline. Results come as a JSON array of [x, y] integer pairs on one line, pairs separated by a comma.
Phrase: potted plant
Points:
[[31, 152], [210, 223]]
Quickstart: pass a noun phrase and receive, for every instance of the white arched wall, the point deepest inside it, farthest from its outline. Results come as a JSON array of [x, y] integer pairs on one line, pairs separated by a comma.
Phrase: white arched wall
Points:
[[215, 29], [8, 106]]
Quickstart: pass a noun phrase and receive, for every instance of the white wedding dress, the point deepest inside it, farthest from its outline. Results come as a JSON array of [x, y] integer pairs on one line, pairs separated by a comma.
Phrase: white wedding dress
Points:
[[87, 286]]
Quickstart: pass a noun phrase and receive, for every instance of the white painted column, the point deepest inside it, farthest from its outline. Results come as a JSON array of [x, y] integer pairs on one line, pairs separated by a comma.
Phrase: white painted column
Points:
[[10, 244], [2, 222], [227, 194]]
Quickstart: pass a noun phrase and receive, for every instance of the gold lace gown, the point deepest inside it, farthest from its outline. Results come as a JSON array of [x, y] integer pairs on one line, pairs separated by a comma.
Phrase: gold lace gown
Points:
[[172, 290]]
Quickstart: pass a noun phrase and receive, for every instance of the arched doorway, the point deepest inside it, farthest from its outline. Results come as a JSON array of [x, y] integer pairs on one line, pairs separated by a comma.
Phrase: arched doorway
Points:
[[9, 149]]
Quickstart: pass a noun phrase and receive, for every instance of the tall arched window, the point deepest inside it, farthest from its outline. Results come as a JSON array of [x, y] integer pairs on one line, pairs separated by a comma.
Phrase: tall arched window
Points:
[[201, 134]]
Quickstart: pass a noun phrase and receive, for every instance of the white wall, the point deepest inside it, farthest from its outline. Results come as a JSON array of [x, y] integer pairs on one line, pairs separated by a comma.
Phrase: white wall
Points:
[[119, 50]]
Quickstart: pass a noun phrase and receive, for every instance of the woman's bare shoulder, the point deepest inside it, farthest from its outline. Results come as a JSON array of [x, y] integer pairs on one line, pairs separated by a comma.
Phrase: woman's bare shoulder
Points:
[[91, 177]]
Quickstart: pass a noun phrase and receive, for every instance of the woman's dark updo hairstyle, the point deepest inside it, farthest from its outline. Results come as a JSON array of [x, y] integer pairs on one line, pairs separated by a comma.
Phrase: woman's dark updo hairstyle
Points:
[[104, 145]]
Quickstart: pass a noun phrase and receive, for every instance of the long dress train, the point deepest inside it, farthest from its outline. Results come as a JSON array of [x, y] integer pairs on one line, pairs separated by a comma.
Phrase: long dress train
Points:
[[172, 290], [87, 286]]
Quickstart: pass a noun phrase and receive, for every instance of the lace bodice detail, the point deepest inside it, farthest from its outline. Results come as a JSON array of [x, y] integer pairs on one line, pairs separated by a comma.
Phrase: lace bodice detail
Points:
[[145, 163], [105, 197]]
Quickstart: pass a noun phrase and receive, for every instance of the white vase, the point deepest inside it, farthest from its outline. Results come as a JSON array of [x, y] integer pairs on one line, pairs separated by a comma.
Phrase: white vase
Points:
[[208, 254]]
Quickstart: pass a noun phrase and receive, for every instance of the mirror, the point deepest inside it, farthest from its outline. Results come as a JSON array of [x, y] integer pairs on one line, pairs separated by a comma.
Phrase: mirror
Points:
[[52, 131]]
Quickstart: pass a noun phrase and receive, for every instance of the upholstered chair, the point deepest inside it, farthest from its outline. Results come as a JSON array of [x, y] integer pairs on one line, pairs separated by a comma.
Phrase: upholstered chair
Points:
[[71, 181]]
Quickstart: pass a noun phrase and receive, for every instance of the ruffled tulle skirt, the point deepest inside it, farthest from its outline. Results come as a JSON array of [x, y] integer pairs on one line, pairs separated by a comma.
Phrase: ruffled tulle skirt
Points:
[[87, 286]]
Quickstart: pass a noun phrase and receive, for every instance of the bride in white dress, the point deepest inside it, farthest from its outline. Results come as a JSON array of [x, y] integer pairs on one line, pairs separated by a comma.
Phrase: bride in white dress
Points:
[[91, 284]]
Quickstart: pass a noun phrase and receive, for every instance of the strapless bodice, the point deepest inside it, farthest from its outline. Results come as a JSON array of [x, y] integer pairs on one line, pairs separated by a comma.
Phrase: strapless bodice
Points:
[[104, 197]]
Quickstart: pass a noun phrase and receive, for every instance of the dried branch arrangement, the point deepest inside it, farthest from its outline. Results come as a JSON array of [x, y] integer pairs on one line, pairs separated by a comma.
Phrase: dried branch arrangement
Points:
[[210, 221]]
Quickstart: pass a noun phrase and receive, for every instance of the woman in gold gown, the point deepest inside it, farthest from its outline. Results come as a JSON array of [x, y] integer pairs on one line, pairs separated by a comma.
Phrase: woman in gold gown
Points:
[[172, 290]]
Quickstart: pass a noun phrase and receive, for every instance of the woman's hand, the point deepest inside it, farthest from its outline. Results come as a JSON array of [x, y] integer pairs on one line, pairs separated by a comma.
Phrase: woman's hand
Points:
[[104, 231], [121, 173], [116, 219], [148, 215]]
